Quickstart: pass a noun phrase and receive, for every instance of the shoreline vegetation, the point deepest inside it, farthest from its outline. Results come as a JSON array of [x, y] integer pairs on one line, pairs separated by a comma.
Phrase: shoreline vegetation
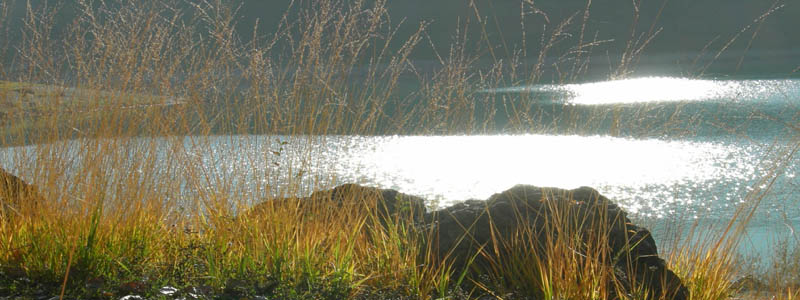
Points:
[[110, 226]]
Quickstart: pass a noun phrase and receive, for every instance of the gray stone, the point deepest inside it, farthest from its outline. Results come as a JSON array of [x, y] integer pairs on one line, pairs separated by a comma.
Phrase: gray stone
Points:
[[167, 291]]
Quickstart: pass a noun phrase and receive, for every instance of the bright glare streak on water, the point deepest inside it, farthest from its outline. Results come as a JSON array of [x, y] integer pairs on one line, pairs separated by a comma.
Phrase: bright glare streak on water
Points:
[[651, 176], [652, 89]]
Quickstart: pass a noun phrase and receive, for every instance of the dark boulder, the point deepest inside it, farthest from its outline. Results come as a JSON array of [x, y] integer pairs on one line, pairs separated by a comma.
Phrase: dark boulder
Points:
[[545, 213], [386, 203]]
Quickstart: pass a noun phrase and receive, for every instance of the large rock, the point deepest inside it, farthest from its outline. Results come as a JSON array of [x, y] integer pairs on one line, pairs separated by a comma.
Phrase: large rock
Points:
[[591, 221], [386, 203], [390, 203], [15, 194]]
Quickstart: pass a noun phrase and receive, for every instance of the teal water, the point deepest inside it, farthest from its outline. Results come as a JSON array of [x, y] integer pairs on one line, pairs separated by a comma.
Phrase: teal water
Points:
[[741, 153]]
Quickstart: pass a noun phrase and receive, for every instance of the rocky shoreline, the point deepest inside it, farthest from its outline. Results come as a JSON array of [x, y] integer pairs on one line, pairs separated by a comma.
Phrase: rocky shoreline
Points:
[[469, 234]]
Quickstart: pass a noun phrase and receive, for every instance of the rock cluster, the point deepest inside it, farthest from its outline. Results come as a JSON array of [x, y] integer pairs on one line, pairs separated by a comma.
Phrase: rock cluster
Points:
[[459, 231]]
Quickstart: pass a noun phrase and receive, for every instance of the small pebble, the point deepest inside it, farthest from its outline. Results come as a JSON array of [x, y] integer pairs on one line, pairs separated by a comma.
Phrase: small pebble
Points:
[[168, 290]]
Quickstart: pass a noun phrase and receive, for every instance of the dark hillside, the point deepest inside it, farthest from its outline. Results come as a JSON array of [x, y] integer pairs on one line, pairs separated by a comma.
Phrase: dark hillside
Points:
[[692, 31]]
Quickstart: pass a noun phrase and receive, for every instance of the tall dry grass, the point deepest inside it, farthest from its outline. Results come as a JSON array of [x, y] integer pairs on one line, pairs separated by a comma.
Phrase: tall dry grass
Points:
[[111, 218]]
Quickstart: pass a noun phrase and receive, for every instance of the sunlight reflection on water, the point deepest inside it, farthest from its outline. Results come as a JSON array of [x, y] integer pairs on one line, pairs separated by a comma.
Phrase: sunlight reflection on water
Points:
[[647, 176], [656, 89], [650, 177]]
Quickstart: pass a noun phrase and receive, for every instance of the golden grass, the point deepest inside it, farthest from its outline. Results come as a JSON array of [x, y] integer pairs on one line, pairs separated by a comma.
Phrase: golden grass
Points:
[[152, 69]]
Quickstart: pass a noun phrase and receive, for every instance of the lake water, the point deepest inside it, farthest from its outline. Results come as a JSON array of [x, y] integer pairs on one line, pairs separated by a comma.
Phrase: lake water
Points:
[[702, 177]]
